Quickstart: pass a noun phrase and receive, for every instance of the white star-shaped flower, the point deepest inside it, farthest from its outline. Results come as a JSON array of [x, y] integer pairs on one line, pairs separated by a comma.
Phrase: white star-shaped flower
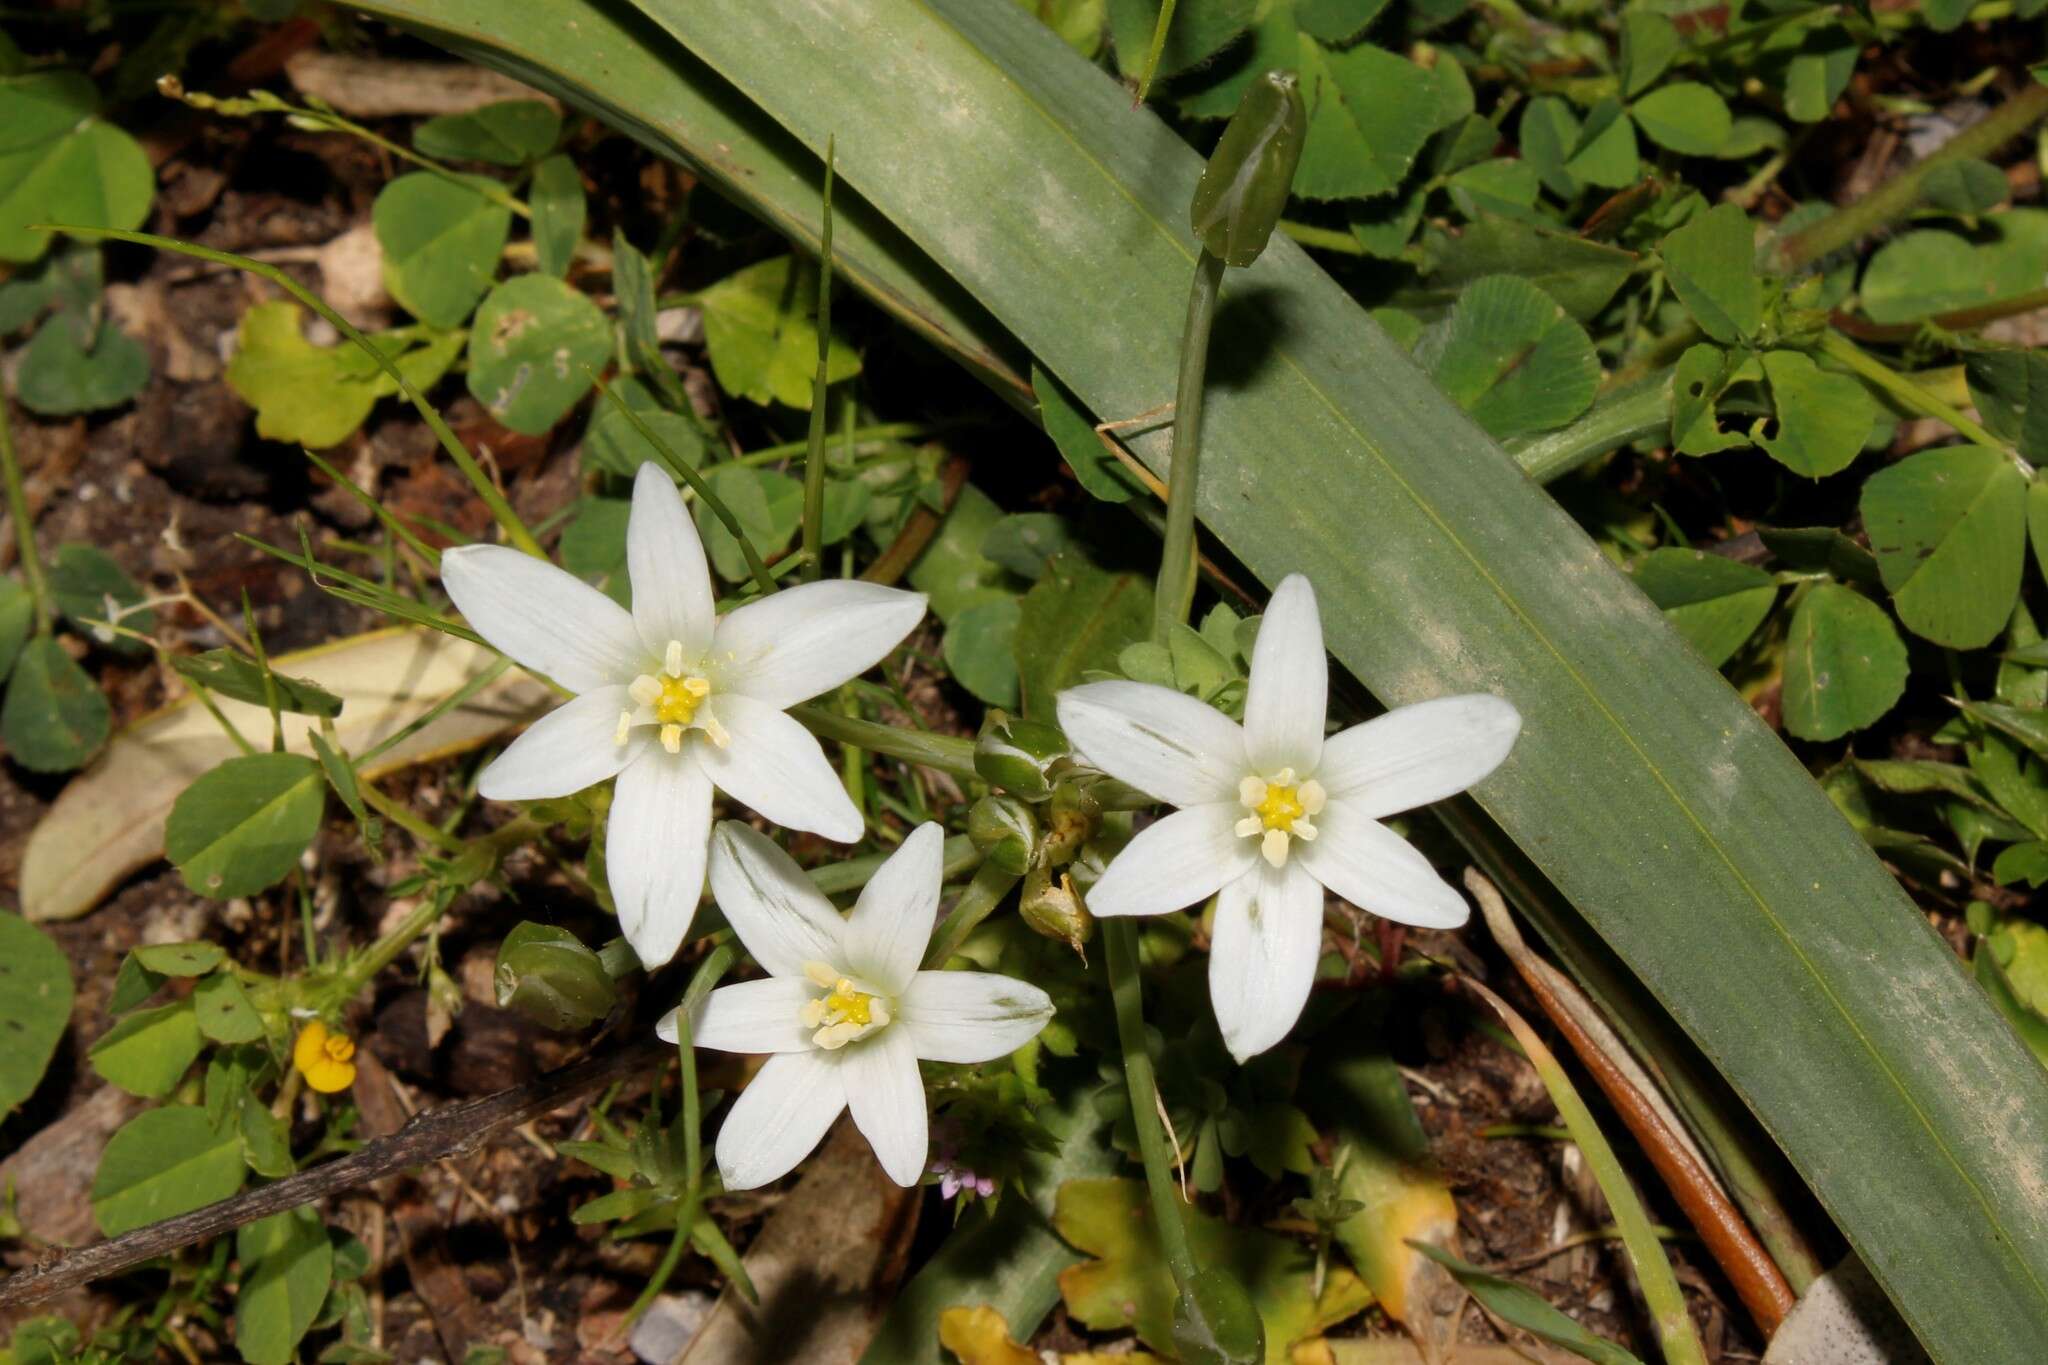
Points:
[[845, 1010], [1272, 812], [673, 699]]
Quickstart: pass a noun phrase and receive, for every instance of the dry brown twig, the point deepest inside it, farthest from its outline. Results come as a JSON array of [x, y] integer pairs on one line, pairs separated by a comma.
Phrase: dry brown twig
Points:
[[451, 1130]]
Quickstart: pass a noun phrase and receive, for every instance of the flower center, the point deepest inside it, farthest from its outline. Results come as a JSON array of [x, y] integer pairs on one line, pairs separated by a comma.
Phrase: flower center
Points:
[[844, 1013], [670, 698], [1279, 811]]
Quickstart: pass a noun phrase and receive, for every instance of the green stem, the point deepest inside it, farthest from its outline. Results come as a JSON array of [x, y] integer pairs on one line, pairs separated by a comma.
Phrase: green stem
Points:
[[24, 527], [982, 895], [326, 120], [515, 529], [1910, 395], [1327, 239], [833, 879], [859, 439], [1631, 413], [1177, 562], [814, 440], [1120, 952], [946, 753], [1661, 1294], [756, 566], [1152, 54], [398, 814], [1897, 196]]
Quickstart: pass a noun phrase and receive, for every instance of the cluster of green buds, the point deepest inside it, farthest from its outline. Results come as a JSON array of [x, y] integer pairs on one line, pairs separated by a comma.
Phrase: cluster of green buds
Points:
[[552, 977], [1042, 821]]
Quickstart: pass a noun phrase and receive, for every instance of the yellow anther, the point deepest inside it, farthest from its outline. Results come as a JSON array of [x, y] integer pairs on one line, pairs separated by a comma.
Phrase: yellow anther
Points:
[[1280, 809], [322, 1057], [679, 699], [845, 1013]]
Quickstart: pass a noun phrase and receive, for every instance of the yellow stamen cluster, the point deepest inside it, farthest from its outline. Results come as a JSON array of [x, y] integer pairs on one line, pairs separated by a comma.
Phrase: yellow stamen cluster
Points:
[[1280, 810], [674, 697], [844, 1012], [322, 1057]]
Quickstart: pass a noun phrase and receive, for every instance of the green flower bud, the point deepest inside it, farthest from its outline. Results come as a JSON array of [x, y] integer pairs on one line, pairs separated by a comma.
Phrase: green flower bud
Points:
[[1005, 830], [1055, 909], [1018, 755], [548, 975], [1244, 187]]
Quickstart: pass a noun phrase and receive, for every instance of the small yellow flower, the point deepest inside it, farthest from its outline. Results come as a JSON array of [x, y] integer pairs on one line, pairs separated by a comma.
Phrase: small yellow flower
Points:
[[323, 1058]]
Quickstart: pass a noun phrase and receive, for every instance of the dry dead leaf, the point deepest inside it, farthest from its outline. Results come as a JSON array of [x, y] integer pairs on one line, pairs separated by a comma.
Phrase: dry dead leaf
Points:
[[110, 820]]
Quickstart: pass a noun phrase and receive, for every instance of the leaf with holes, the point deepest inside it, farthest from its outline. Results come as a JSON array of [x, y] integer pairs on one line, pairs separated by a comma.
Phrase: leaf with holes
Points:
[[1699, 379], [1948, 528], [242, 827], [1822, 419], [1716, 602], [1513, 359], [534, 351], [1845, 665]]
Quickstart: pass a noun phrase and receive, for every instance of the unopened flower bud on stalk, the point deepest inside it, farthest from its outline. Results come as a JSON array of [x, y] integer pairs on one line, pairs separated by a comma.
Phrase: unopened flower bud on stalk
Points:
[[1005, 831], [551, 977], [1243, 189]]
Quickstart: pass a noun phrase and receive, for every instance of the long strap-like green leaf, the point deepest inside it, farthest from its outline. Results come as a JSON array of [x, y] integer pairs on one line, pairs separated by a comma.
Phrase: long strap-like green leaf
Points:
[[1646, 789]]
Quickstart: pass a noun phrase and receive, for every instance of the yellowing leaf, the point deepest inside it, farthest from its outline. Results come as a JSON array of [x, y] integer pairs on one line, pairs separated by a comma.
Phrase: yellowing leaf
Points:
[[979, 1336], [1128, 1285], [316, 395]]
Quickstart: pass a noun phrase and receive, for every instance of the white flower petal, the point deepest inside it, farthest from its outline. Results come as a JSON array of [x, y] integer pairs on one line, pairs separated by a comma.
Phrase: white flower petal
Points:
[[792, 645], [779, 1118], [1414, 755], [781, 917], [970, 1017], [891, 924], [1376, 869], [1164, 743], [887, 1098], [775, 765], [1175, 862], [543, 618], [654, 850], [1289, 694], [1262, 955], [572, 747], [750, 1016], [672, 597]]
